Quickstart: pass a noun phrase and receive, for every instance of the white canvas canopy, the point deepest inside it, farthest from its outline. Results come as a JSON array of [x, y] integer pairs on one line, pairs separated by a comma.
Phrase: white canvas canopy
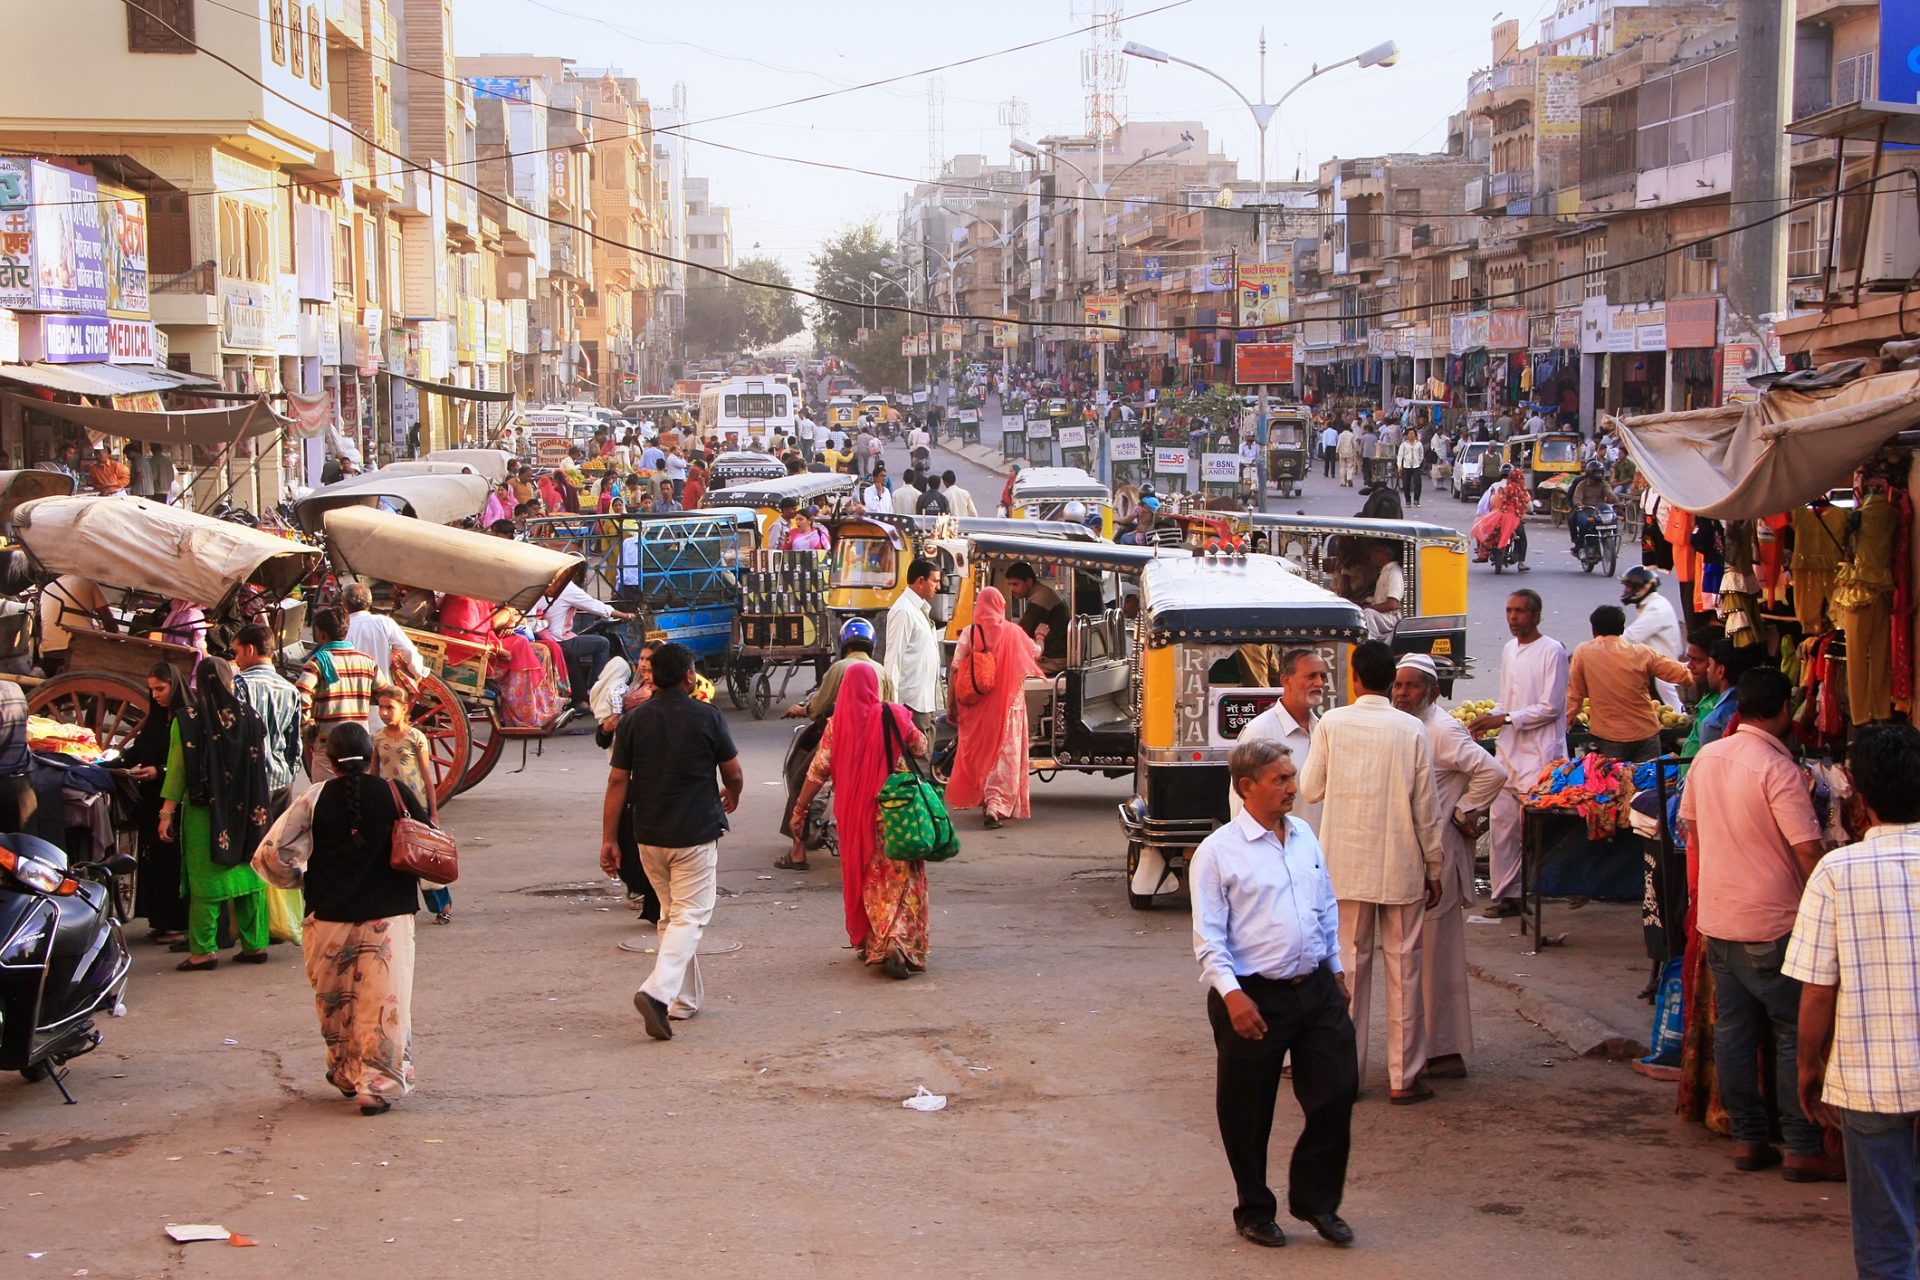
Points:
[[494, 464], [443, 495], [161, 550], [1740, 462], [17, 487], [433, 557]]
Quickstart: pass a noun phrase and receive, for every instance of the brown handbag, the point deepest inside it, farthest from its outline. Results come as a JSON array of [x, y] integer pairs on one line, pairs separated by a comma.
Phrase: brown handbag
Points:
[[420, 848]]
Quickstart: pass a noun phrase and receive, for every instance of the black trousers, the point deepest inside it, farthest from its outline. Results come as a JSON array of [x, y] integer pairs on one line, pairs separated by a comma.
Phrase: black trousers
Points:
[[1310, 1023], [1410, 483], [1327, 459]]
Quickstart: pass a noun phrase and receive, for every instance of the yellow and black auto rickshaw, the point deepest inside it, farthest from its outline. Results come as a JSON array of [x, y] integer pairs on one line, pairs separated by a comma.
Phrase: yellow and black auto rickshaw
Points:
[[1202, 651], [1288, 428], [1550, 463], [1045, 493]]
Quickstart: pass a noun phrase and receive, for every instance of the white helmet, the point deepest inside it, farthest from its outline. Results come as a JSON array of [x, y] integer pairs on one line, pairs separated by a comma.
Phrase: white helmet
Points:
[[1075, 511]]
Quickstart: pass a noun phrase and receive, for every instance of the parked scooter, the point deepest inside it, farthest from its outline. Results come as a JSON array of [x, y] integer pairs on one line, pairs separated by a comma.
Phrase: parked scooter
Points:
[[820, 833], [1599, 542], [62, 958]]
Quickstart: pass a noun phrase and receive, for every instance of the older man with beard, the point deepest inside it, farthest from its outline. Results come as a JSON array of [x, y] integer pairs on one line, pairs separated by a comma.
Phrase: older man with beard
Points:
[[1466, 779]]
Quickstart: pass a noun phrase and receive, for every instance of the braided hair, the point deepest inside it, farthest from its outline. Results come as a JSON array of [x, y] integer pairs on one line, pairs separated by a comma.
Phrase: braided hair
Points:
[[350, 751]]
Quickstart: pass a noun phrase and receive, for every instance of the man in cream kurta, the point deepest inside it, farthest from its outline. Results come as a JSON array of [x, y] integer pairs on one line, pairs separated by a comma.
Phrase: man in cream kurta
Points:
[[1371, 769], [1465, 782], [1532, 718]]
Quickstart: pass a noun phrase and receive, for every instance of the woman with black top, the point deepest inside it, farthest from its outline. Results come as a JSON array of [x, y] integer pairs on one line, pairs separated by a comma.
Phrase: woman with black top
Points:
[[159, 896], [358, 934]]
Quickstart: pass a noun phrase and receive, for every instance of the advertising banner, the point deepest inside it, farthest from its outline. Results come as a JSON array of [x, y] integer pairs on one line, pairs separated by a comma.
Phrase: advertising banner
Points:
[[1005, 334], [1040, 428], [68, 245], [1211, 277], [1265, 294], [64, 339], [950, 335], [1507, 330], [1169, 460], [1073, 437], [1123, 449], [1694, 323], [126, 249], [131, 341], [1262, 362], [16, 233], [1220, 468], [1101, 309]]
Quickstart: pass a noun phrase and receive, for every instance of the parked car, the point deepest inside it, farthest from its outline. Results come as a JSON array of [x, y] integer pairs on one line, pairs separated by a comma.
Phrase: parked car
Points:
[[1475, 467]]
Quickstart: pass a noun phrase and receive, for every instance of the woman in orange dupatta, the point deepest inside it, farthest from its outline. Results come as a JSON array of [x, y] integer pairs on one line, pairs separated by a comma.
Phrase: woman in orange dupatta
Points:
[[885, 899], [990, 761]]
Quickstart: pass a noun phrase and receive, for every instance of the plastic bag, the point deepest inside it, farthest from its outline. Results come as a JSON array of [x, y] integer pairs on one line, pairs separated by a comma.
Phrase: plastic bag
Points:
[[925, 1101], [1669, 1019]]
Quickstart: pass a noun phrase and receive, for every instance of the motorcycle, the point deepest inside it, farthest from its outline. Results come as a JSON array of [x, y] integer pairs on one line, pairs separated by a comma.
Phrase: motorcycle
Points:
[[62, 958], [1599, 543], [1509, 554]]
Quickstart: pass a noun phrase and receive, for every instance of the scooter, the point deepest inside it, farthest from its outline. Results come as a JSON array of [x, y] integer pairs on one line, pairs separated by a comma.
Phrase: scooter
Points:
[[821, 831], [1600, 544], [62, 958]]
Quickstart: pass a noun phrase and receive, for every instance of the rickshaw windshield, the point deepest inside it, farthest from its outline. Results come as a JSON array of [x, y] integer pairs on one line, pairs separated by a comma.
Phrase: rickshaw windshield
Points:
[[864, 562], [1557, 451]]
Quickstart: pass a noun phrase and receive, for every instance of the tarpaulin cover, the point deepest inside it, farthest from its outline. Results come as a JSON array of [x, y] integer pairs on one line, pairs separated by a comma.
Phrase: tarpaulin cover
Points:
[[179, 426], [434, 557], [17, 487], [161, 550], [1743, 461], [491, 463]]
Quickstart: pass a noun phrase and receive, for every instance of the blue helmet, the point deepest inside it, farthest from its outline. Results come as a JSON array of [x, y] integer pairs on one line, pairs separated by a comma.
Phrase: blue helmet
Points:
[[856, 629]]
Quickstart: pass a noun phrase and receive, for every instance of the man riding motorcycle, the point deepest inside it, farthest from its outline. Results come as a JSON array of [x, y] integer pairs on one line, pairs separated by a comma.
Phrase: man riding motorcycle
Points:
[[1590, 493]]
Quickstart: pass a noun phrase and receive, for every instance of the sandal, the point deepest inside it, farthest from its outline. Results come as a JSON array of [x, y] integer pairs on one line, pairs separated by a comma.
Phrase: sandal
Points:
[[443, 917], [379, 1105], [188, 966], [992, 823], [787, 863]]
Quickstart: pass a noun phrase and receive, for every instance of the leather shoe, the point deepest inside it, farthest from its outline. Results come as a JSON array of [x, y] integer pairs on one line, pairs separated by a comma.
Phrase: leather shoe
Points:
[[1819, 1168], [1331, 1226], [1266, 1232], [1751, 1157], [654, 1014]]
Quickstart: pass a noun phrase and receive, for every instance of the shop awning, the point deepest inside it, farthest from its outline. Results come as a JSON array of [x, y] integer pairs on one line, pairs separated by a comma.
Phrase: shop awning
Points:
[[89, 379], [457, 393], [184, 380], [1743, 461], [179, 426]]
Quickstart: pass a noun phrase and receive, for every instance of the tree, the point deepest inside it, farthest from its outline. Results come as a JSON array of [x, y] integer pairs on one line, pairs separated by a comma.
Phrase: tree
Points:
[[715, 319], [878, 358], [729, 315], [843, 268]]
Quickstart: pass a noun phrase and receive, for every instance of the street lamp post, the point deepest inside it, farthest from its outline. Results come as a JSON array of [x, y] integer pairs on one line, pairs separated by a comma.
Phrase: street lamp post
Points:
[[1381, 55], [1004, 241]]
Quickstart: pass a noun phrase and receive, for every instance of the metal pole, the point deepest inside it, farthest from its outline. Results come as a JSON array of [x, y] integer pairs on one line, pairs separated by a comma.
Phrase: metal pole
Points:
[[1260, 233]]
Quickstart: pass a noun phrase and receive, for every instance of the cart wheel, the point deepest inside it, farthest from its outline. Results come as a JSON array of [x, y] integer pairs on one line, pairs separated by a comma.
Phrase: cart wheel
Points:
[[483, 732], [114, 707], [761, 700], [1138, 901], [738, 680], [440, 715]]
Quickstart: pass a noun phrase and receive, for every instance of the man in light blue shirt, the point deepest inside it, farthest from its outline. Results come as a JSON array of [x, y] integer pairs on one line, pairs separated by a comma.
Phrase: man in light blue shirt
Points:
[[1266, 932]]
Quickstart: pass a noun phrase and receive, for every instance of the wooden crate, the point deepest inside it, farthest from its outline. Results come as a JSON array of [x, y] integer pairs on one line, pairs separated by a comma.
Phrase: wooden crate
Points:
[[787, 631], [467, 678]]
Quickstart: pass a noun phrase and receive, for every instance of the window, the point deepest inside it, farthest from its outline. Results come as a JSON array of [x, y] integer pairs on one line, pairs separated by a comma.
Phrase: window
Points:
[[296, 42], [233, 241], [277, 30], [316, 59], [1594, 256], [343, 259], [259, 245], [1808, 231], [160, 26]]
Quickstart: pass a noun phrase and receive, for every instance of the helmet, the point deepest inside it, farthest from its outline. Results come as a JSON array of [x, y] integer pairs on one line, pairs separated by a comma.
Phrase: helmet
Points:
[[856, 629], [1075, 511], [1146, 491], [1637, 583], [1594, 467], [1506, 469]]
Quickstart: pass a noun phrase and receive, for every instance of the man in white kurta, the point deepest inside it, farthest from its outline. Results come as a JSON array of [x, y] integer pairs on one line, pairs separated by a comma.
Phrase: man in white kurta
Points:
[[1466, 779], [1651, 621], [1303, 689], [1531, 715], [1371, 769]]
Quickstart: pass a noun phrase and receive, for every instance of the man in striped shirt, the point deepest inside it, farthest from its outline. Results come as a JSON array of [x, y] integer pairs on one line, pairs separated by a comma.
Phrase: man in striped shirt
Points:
[[1856, 951], [337, 685]]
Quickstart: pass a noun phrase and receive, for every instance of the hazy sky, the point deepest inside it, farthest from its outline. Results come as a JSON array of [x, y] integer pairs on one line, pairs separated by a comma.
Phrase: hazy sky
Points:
[[739, 55]]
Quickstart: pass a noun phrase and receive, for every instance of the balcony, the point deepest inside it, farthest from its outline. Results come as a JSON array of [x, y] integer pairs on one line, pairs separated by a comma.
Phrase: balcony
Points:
[[345, 21], [1508, 85], [1369, 251], [189, 298]]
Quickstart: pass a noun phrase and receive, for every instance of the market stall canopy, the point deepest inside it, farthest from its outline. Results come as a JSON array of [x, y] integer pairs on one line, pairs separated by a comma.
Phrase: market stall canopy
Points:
[[457, 393], [210, 427], [90, 379], [494, 464], [444, 496], [1744, 461], [17, 487], [161, 550], [434, 557]]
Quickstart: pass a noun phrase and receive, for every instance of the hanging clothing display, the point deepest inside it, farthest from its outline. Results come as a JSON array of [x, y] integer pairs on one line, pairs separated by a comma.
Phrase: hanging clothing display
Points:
[[1864, 602], [1819, 534]]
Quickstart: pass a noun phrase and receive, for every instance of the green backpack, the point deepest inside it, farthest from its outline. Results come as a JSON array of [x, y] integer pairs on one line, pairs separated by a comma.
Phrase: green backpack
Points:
[[914, 823]]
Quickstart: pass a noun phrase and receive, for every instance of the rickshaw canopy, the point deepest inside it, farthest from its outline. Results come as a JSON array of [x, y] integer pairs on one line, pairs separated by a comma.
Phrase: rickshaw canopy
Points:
[[809, 486], [160, 550], [1057, 483], [494, 464], [1093, 553], [445, 495], [1203, 600], [737, 465], [372, 543], [17, 487]]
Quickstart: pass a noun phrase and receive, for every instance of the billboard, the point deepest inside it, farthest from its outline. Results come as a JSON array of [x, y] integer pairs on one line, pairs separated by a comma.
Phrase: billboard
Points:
[[1262, 362], [16, 233], [950, 338], [69, 244], [1264, 291], [125, 238], [1101, 309], [1006, 334]]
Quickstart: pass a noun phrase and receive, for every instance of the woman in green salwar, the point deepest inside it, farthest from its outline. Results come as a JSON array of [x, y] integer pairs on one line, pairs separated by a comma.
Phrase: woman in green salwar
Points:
[[216, 792]]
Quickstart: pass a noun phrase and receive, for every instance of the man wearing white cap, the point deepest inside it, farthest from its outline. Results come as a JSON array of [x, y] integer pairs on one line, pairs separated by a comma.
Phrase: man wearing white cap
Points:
[[1466, 779]]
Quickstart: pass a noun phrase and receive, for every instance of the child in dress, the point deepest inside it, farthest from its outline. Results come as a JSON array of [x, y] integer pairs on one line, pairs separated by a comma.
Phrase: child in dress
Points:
[[402, 753]]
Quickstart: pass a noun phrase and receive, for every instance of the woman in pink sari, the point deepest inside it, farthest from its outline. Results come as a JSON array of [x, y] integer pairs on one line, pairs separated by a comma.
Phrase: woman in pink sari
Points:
[[990, 760], [886, 900], [1505, 513]]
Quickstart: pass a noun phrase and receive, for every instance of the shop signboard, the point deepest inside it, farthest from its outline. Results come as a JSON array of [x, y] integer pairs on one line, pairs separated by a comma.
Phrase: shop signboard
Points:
[[1594, 317], [1566, 330], [1742, 362], [1220, 468], [1469, 332], [16, 233], [1123, 449], [1693, 323], [1540, 333], [130, 341], [69, 242], [286, 311], [1264, 291], [125, 237], [497, 327], [1169, 460], [1100, 310], [58, 339], [1507, 330], [950, 335], [1258, 363], [246, 317]]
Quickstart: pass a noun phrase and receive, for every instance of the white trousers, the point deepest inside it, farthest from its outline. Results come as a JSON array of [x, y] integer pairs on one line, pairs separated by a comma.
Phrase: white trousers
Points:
[[1447, 1017], [1395, 930], [1503, 856], [685, 880]]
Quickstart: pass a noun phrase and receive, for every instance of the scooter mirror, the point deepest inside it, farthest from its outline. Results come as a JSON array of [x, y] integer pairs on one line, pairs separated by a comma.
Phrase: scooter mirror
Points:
[[122, 864]]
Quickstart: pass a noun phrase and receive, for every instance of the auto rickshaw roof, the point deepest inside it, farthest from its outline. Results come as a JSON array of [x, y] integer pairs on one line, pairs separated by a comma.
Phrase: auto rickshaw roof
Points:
[[1106, 555], [1418, 529], [17, 487], [157, 549], [435, 557], [1259, 600], [806, 486], [444, 496], [1058, 482]]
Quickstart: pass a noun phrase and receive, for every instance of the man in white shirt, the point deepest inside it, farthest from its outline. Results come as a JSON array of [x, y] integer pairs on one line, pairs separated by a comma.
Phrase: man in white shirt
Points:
[[1303, 689], [1382, 605], [585, 654], [1266, 930], [380, 638], [957, 498], [876, 494], [1531, 715], [808, 429], [1651, 621], [917, 438], [1465, 781], [906, 496], [1372, 767], [1329, 449], [1535, 423], [912, 648]]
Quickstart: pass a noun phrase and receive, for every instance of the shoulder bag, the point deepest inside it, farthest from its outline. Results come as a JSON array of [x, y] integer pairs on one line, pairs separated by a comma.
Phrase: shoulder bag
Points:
[[975, 673], [420, 848], [914, 823]]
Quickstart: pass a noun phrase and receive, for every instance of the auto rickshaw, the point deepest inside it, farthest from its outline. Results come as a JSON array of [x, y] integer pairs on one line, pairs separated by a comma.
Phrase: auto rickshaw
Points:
[[1203, 623], [824, 489], [1042, 493], [1288, 428], [1331, 552], [737, 465], [447, 495], [1550, 463], [843, 414]]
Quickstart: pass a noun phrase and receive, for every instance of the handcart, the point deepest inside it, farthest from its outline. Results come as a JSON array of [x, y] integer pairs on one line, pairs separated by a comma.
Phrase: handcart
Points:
[[781, 626]]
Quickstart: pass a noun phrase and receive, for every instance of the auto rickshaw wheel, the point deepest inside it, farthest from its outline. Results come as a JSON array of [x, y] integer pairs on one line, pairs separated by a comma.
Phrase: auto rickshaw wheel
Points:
[[442, 717], [1138, 901], [483, 732], [114, 707]]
